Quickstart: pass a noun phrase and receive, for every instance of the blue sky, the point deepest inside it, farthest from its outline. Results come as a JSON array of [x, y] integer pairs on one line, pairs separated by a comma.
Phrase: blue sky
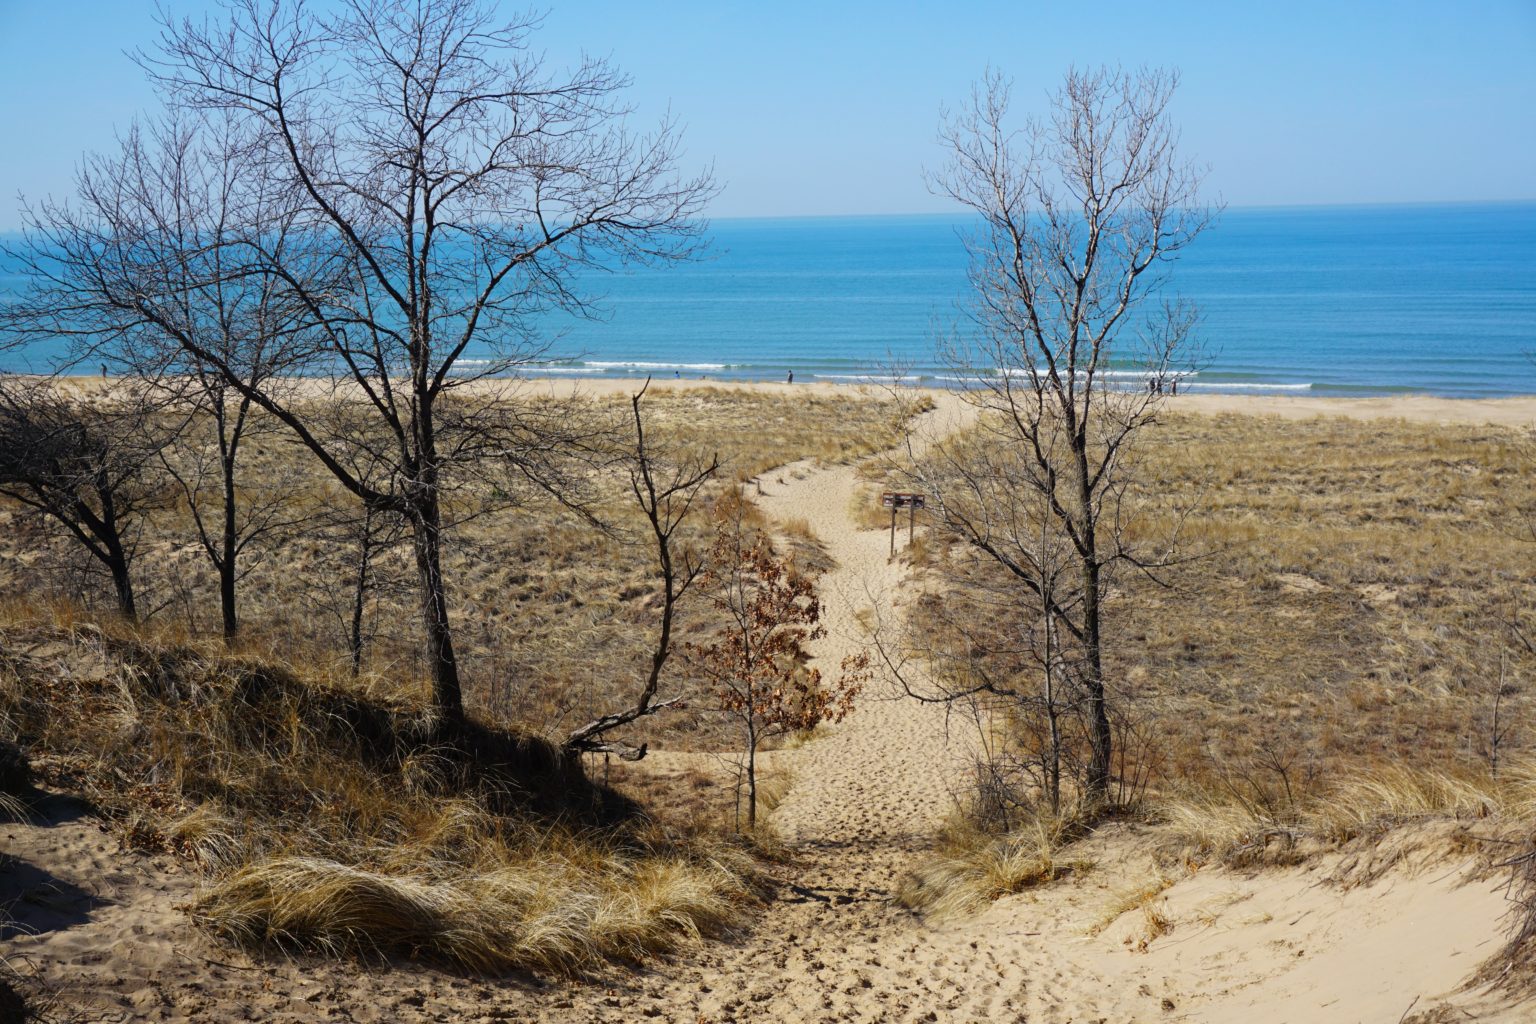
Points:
[[831, 107]]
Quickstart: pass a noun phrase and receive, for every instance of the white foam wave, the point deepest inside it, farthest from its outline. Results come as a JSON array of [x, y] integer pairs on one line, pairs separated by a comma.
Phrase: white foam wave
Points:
[[1139, 375], [1183, 384], [1103, 374], [626, 365], [1245, 386]]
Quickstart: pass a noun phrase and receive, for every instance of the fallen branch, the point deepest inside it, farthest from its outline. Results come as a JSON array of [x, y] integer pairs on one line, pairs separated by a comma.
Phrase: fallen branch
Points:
[[585, 740]]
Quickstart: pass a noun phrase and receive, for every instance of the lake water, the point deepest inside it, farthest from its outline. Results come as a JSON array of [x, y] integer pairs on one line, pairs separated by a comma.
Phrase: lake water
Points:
[[1438, 299]]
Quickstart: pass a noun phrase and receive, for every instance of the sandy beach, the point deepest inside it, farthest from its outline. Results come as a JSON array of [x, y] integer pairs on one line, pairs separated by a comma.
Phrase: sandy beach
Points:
[[1505, 412]]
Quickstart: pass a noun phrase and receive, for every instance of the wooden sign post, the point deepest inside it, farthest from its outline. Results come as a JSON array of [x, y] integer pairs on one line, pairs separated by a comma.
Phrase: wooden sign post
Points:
[[895, 500]]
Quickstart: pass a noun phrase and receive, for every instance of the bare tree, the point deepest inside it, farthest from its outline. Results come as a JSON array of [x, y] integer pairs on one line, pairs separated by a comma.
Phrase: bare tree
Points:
[[251, 320], [459, 187], [665, 491], [1067, 355], [144, 272], [85, 465], [228, 517], [198, 197]]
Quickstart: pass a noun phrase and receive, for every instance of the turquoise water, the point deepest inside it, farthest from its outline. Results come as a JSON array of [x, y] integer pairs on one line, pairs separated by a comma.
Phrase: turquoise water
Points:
[[1439, 299]]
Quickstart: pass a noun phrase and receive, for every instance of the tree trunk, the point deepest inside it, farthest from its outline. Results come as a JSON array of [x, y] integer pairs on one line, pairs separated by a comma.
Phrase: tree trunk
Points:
[[752, 787], [1093, 682], [360, 593], [1099, 738], [1053, 719], [117, 564], [111, 552], [227, 599], [426, 527], [227, 556]]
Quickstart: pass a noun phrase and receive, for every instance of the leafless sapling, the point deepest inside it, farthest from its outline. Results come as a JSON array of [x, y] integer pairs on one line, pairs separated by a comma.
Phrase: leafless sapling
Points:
[[665, 490]]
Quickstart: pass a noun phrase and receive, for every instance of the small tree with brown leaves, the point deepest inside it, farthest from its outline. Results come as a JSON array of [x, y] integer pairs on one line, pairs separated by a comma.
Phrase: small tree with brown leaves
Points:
[[756, 666]]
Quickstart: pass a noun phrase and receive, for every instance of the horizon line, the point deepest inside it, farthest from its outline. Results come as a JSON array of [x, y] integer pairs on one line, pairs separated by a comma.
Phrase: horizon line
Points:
[[1351, 204], [1243, 207]]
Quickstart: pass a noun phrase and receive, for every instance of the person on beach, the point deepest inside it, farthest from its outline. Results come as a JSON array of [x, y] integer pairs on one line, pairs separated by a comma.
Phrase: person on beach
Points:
[[791, 378]]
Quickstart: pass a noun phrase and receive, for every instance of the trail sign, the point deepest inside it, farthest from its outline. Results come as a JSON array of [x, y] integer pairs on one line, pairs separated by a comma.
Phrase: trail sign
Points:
[[894, 500], [901, 499]]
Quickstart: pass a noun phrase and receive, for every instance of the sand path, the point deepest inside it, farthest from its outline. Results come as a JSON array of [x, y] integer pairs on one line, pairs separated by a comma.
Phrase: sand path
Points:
[[884, 776]]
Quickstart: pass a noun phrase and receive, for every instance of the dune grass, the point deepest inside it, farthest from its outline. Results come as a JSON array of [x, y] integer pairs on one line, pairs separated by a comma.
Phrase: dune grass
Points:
[[1350, 598], [1323, 671], [1332, 660], [331, 819], [331, 812], [972, 866], [1201, 826], [1140, 896], [553, 616], [563, 907]]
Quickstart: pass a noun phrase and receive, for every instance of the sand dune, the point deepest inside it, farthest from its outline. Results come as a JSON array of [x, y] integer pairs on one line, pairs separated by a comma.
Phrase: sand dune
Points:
[[866, 795]]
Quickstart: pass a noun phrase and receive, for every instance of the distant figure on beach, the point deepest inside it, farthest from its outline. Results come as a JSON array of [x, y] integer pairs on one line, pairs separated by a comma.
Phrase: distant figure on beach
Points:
[[1173, 388], [103, 371], [791, 378], [677, 374]]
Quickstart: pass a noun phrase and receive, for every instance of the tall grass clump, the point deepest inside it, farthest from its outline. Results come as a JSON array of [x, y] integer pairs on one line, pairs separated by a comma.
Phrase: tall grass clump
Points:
[[562, 904], [1200, 825], [346, 819], [976, 863]]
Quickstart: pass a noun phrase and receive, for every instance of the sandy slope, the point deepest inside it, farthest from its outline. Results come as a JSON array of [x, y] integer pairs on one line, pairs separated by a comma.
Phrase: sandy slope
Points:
[[832, 946]]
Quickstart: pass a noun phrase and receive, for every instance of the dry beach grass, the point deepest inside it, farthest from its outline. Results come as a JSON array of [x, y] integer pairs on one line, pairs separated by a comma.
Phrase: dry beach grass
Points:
[[325, 818], [1318, 683], [1335, 653]]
